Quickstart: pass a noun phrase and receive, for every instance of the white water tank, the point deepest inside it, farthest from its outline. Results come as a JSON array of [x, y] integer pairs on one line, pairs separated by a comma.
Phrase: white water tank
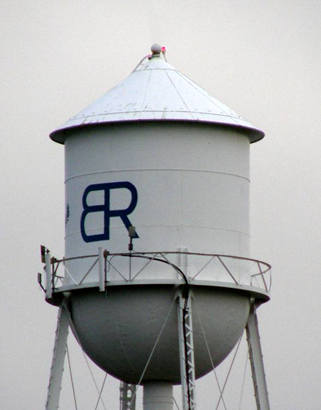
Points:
[[158, 153]]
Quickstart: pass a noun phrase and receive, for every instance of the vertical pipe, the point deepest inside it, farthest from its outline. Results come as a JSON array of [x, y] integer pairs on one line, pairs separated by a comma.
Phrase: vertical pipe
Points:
[[158, 395]]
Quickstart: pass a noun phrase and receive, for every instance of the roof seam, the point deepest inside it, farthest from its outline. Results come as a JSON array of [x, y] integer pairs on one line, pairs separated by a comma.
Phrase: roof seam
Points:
[[146, 88], [179, 94]]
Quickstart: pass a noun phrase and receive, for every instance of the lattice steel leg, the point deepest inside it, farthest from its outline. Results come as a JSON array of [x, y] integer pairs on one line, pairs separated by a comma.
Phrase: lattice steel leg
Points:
[[126, 393], [186, 352], [256, 359], [58, 359]]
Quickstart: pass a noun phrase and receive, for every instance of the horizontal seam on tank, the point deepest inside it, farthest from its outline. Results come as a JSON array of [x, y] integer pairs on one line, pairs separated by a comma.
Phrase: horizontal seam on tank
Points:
[[171, 226], [160, 170]]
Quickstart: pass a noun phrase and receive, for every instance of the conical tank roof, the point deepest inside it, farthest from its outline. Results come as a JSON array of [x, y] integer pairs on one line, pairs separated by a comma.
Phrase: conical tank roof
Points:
[[156, 91]]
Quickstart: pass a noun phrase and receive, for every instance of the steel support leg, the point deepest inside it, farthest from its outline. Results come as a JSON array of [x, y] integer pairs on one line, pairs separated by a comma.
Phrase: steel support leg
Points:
[[186, 352], [256, 359], [58, 358], [126, 393]]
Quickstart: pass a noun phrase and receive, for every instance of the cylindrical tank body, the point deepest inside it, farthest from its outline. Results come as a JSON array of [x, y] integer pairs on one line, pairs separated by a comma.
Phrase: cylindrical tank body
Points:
[[188, 185]]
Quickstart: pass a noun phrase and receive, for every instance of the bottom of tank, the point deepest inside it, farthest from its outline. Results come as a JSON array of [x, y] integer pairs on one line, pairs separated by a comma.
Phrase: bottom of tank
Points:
[[118, 329]]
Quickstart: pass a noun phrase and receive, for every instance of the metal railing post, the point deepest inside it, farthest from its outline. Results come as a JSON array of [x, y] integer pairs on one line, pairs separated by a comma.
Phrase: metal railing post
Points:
[[101, 270], [48, 275]]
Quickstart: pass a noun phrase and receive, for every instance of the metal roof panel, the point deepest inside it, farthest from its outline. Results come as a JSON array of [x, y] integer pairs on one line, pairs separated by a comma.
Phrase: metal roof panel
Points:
[[156, 91]]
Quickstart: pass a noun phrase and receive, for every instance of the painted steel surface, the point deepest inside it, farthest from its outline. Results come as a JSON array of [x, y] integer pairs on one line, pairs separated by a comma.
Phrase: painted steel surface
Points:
[[182, 186], [118, 330], [156, 91]]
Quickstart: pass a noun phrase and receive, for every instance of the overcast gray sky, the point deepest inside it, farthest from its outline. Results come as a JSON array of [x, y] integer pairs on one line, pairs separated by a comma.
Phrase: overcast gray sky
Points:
[[260, 58]]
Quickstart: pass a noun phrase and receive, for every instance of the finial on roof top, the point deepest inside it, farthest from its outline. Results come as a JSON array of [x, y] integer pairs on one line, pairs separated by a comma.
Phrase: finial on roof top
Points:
[[156, 49]]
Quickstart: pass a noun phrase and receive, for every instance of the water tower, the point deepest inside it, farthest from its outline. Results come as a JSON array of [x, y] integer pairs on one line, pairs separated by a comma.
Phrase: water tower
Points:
[[156, 282]]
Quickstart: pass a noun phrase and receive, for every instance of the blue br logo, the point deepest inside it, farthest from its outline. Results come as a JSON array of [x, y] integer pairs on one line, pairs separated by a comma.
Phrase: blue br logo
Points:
[[104, 208]]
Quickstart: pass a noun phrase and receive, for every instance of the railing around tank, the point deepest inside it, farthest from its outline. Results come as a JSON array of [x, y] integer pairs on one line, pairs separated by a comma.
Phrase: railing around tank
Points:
[[190, 267]]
